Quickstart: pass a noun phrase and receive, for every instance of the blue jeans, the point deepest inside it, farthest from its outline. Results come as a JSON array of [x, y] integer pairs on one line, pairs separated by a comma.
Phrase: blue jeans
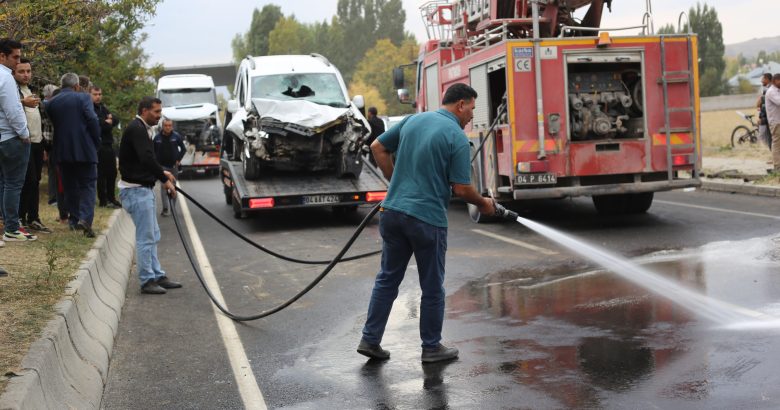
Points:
[[139, 203], [404, 235], [14, 155], [79, 181]]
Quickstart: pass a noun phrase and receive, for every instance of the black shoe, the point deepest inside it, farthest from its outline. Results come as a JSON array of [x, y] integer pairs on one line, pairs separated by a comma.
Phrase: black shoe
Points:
[[3, 272], [167, 283], [439, 353], [153, 288], [372, 351], [115, 203], [164, 212], [88, 232], [102, 204]]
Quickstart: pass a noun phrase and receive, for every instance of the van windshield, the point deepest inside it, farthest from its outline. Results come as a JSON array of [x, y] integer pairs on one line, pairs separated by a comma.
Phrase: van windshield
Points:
[[319, 88], [187, 96]]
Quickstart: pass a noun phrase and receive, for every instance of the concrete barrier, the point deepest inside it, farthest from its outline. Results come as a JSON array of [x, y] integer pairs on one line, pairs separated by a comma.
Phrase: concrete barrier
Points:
[[729, 102], [68, 366]]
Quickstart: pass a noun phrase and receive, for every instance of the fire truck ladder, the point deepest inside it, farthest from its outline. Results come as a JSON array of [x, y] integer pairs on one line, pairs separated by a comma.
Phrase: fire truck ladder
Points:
[[678, 77]]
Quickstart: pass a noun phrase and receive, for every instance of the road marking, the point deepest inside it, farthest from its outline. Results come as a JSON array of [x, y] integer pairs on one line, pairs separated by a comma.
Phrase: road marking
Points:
[[709, 208], [515, 242], [242, 370]]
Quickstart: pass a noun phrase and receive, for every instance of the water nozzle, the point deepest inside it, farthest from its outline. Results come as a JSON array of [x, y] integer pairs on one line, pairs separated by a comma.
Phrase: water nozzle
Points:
[[504, 213]]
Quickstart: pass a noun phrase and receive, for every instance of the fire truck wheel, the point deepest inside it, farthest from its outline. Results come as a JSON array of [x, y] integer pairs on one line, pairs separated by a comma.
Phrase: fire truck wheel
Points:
[[477, 217], [639, 203]]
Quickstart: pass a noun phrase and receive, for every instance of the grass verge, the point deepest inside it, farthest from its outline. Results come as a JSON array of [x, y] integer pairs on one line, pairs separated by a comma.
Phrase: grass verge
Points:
[[38, 273]]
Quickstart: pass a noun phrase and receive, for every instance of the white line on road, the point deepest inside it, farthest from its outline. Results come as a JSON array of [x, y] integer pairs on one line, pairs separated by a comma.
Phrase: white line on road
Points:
[[515, 242], [709, 208], [242, 370]]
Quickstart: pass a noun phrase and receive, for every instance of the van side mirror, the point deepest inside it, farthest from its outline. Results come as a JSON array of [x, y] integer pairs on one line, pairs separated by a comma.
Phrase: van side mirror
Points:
[[398, 78], [232, 106], [358, 101], [403, 96]]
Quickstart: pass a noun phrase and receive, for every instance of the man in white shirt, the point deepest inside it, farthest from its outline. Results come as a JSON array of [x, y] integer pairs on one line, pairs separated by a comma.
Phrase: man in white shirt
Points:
[[772, 101], [14, 143]]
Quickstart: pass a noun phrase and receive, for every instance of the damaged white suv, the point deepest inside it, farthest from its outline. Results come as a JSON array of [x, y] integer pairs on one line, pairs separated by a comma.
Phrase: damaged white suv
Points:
[[293, 113]]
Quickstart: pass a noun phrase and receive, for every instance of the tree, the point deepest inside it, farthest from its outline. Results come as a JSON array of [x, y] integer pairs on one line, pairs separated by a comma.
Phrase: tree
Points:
[[255, 40], [704, 22], [97, 38], [667, 29], [290, 37], [370, 95], [375, 69]]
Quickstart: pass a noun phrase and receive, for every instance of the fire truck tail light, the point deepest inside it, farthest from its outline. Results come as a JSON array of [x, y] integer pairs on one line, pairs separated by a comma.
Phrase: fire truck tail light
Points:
[[261, 203], [678, 160], [375, 196], [533, 166]]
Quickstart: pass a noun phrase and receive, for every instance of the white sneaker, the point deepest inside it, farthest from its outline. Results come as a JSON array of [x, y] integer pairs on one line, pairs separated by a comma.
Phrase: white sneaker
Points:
[[19, 236]]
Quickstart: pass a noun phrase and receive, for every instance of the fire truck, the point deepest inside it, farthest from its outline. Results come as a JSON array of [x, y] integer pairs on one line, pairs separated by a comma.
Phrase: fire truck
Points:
[[566, 108]]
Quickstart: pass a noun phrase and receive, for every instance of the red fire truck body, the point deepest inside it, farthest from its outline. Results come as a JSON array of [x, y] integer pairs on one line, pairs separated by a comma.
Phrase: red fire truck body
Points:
[[615, 118]]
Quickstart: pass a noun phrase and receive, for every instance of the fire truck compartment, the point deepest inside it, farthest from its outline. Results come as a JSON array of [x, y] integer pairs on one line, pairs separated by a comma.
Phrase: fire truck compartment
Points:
[[605, 92]]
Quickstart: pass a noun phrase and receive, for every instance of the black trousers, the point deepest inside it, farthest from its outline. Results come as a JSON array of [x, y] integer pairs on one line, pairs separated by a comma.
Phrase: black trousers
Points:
[[28, 201], [106, 174]]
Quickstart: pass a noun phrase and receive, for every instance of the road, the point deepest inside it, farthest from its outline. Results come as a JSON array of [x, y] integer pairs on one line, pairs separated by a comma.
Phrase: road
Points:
[[537, 326]]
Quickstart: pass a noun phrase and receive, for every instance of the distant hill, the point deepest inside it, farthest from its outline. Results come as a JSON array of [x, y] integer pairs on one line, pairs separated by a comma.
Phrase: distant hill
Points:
[[751, 48]]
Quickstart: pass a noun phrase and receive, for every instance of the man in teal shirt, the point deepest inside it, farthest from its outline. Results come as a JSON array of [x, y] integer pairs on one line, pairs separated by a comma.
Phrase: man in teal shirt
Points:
[[432, 161]]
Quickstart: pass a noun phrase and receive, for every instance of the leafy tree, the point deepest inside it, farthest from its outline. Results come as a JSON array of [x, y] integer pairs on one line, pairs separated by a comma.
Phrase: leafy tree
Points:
[[667, 29], [745, 87], [370, 94], [704, 22], [255, 41], [97, 38], [290, 37], [375, 69]]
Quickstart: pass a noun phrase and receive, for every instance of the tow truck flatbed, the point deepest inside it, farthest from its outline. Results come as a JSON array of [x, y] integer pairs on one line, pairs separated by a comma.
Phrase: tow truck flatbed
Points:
[[298, 190]]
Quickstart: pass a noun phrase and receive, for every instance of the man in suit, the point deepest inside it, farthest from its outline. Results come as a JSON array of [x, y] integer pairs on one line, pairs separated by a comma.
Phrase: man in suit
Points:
[[139, 171], [76, 139]]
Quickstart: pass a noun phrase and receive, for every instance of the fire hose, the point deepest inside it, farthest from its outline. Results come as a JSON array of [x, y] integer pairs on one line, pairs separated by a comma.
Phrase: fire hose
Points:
[[500, 212]]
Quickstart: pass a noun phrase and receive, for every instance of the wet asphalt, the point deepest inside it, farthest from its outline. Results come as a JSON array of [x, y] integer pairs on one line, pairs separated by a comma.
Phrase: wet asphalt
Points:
[[537, 328]]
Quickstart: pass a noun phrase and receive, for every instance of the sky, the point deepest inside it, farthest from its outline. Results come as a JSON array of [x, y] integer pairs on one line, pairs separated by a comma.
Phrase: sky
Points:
[[198, 32]]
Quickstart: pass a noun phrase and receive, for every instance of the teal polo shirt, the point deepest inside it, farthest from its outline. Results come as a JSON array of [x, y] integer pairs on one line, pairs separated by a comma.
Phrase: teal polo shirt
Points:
[[431, 153]]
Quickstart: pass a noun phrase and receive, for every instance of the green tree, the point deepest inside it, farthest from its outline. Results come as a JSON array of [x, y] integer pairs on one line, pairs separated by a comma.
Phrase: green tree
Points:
[[667, 29], [255, 40], [97, 38], [704, 22], [290, 37], [375, 69]]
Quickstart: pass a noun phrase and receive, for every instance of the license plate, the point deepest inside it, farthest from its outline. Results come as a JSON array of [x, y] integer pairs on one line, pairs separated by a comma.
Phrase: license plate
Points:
[[536, 179], [200, 170], [321, 199]]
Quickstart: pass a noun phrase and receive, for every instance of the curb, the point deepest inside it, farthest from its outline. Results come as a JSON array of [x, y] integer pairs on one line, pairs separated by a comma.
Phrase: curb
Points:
[[68, 366], [740, 188]]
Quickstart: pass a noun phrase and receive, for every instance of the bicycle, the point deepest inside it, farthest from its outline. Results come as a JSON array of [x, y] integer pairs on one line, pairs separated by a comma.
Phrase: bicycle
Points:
[[742, 134]]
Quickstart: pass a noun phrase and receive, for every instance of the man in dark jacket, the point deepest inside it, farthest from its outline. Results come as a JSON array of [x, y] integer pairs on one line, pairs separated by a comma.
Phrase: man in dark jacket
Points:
[[377, 129], [76, 138], [106, 154], [169, 150], [139, 171]]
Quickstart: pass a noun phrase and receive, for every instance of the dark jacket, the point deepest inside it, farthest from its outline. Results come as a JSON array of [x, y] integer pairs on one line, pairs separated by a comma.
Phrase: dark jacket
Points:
[[76, 128], [137, 164], [106, 129], [176, 145], [377, 129]]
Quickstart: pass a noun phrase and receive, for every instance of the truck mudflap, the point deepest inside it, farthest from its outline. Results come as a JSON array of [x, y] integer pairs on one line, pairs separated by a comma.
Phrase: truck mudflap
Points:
[[608, 189]]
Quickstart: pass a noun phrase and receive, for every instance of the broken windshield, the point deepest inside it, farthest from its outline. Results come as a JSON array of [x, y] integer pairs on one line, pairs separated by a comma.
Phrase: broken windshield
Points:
[[320, 88], [187, 96]]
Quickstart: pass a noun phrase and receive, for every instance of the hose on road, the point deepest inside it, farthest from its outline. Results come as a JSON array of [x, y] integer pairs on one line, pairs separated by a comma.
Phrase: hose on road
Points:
[[243, 318]]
